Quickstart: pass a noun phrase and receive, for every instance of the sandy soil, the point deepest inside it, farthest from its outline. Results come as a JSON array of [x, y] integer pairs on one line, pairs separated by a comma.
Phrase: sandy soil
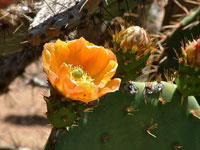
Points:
[[22, 119]]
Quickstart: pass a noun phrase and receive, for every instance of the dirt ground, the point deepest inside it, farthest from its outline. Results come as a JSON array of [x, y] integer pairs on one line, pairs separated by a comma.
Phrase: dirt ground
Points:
[[22, 119]]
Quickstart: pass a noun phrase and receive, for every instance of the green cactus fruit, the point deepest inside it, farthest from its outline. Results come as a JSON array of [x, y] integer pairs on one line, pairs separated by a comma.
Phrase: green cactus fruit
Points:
[[188, 75], [62, 112], [132, 47], [149, 117]]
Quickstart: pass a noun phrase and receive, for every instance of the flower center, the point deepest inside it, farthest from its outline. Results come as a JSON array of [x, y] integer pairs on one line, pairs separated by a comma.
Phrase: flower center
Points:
[[80, 76], [77, 72]]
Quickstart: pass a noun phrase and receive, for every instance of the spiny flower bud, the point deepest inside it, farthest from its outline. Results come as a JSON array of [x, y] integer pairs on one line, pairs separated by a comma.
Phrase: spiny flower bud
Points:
[[188, 71], [133, 39], [132, 46], [192, 54]]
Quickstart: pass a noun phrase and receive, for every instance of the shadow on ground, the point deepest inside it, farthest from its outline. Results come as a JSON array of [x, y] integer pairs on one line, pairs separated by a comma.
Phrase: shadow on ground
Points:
[[29, 120]]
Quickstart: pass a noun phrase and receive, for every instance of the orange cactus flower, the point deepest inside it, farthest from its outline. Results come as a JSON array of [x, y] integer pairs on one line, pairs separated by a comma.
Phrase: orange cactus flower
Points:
[[80, 70]]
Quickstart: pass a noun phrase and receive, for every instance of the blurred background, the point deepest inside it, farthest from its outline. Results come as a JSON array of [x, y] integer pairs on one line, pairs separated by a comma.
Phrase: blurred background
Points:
[[23, 124]]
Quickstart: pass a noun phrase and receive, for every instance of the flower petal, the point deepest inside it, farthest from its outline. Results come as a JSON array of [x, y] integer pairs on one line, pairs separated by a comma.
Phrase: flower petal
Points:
[[63, 74], [69, 88], [49, 58], [76, 47], [86, 92], [111, 86], [108, 72], [46, 56], [111, 56], [93, 59], [61, 53], [51, 75]]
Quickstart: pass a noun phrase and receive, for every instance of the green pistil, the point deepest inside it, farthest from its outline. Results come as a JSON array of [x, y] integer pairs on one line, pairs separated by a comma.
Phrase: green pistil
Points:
[[77, 72]]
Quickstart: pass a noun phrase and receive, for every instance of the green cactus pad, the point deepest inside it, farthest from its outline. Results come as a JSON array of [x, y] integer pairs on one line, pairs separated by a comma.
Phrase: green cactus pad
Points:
[[151, 117], [187, 80], [129, 67]]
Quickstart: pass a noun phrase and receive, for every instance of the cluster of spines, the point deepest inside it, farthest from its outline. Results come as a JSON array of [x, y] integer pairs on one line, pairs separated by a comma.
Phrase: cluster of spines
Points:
[[188, 74]]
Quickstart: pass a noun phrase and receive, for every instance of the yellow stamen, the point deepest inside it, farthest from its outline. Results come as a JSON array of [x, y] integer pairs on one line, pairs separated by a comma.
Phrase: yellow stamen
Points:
[[80, 76]]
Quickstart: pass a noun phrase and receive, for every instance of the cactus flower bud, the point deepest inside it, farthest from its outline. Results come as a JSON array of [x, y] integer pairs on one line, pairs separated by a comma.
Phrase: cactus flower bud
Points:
[[133, 39], [189, 69], [192, 54], [132, 47]]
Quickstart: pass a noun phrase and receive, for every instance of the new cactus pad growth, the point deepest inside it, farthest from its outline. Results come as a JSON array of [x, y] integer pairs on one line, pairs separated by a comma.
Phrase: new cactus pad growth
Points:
[[62, 112], [188, 74], [132, 47]]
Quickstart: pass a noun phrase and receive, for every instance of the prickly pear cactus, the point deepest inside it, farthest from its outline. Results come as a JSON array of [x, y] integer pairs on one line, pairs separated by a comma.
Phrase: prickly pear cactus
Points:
[[152, 112], [90, 110], [150, 117], [88, 107]]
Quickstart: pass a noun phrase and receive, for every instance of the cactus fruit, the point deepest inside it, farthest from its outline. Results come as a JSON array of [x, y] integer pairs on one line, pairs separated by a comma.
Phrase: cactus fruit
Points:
[[132, 47], [126, 121], [188, 74]]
